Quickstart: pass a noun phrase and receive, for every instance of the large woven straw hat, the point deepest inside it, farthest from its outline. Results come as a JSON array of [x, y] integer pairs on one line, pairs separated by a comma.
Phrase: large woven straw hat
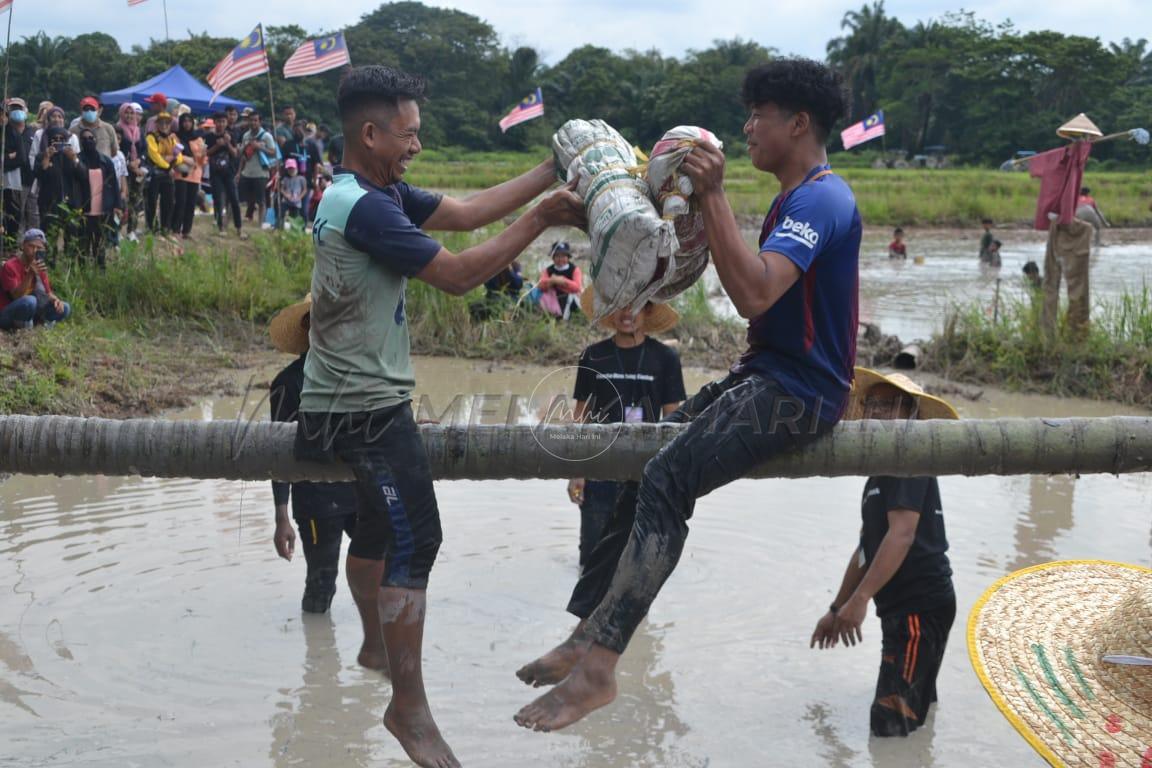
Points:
[[1079, 127], [927, 406], [1063, 649], [287, 327], [659, 318]]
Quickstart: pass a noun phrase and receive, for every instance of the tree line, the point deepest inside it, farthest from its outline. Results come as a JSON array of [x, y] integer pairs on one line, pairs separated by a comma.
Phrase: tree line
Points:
[[980, 90]]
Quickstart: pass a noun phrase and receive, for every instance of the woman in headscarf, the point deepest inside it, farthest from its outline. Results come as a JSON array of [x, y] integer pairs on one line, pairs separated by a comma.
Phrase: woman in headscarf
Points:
[[97, 196], [134, 151], [188, 174], [54, 171]]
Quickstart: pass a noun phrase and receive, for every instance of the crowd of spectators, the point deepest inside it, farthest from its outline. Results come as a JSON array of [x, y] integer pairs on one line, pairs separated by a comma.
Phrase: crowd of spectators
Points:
[[80, 183], [87, 182]]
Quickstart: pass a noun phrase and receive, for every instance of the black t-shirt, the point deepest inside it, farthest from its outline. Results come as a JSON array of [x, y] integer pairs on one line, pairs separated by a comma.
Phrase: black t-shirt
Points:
[[924, 579], [221, 162], [319, 500], [612, 379]]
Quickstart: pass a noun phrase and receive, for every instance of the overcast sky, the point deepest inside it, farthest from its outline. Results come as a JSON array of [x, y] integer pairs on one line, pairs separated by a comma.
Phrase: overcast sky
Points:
[[555, 27]]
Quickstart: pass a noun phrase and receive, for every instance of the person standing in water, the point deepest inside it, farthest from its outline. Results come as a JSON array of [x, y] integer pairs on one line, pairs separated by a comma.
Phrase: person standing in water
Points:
[[901, 564], [355, 406]]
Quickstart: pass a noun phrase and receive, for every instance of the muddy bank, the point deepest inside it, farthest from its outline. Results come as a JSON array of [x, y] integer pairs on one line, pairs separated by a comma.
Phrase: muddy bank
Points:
[[114, 370]]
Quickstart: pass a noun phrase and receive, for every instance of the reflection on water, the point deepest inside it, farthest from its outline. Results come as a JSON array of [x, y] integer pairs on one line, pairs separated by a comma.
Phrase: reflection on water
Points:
[[319, 722], [1048, 514], [149, 622], [835, 753], [645, 728]]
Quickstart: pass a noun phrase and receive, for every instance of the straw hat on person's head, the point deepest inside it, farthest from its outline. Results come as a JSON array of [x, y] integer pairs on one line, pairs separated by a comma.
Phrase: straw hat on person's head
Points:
[[1079, 127], [287, 328], [1063, 649], [866, 380], [658, 318]]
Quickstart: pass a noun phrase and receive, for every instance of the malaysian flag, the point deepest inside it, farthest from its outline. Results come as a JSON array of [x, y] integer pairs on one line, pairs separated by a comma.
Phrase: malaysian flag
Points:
[[130, 2], [5, 5], [316, 56], [863, 131], [244, 61], [530, 106]]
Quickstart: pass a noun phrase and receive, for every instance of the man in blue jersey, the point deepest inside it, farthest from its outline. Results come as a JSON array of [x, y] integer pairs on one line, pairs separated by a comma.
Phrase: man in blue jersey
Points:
[[356, 402], [799, 294]]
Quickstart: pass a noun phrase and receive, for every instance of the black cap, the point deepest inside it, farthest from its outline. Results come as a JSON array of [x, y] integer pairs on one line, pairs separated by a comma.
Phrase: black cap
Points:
[[560, 246]]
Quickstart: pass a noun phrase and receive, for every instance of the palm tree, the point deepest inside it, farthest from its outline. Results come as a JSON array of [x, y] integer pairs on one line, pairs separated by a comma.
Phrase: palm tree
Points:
[[858, 54], [39, 63], [1135, 60]]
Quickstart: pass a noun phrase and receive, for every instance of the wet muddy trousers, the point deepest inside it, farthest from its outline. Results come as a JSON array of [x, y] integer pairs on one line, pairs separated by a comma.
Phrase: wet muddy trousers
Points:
[[734, 425], [320, 539]]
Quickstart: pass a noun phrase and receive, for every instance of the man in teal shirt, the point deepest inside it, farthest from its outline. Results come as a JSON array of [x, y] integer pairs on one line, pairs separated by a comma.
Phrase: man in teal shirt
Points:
[[356, 404]]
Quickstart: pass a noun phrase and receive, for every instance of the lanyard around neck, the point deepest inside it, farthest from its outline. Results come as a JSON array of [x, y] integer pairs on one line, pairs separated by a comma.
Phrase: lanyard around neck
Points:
[[770, 220]]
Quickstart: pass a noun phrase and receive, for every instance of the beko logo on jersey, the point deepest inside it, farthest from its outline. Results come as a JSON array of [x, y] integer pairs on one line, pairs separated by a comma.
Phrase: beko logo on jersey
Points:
[[800, 231]]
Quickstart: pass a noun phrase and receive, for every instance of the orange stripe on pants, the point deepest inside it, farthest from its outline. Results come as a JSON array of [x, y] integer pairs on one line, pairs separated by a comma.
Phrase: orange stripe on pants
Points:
[[913, 648]]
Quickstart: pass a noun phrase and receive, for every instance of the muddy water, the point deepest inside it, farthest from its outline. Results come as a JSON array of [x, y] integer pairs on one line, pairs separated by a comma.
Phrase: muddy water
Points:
[[909, 299], [149, 623]]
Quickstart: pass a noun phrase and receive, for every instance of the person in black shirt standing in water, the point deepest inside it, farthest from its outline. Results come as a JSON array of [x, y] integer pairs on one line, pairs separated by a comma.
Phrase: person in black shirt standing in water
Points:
[[629, 377], [323, 512], [901, 564]]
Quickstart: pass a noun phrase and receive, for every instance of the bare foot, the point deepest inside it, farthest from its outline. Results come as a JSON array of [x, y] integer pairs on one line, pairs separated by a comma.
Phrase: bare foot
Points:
[[417, 733], [555, 665], [586, 689], [374, 658]]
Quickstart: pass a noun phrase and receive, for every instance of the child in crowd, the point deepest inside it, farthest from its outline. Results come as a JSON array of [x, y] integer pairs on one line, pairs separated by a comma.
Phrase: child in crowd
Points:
[[292, 189]]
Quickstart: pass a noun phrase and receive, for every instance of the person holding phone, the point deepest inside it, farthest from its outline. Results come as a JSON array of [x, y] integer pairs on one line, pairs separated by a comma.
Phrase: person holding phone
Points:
[[54, 170], [25, 291]]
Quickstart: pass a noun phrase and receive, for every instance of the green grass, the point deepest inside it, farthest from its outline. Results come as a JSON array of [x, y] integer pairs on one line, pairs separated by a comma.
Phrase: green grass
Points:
[[947, 197], [211, 281], [151, 326], [1112, 362]]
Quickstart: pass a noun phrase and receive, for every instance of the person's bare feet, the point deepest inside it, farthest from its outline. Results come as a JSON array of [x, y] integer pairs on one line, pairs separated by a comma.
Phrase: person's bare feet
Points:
[[555, 665], [417, 733], [590, 685], [374, 658]]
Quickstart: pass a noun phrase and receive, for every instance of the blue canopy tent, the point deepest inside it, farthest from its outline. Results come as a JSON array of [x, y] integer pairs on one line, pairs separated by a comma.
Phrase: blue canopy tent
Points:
[[177, 84]]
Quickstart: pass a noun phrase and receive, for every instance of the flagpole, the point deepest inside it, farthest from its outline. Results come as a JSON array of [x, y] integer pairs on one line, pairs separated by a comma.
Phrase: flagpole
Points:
[[167, 37], [4, 106], [272, 118]]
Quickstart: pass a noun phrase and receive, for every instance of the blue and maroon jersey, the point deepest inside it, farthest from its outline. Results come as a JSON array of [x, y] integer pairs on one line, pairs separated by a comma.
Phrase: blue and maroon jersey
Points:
[[807, 339]]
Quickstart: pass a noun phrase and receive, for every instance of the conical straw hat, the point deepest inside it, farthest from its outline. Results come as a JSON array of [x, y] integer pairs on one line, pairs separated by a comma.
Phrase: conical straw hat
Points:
[[927, 406], [1058, 648], [659, 318], [1079, 127], [287, 329]]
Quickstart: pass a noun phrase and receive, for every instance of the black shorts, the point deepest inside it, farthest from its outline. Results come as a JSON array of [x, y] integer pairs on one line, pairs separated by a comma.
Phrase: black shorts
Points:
[[911, 652], [399, 521], [252, 189]]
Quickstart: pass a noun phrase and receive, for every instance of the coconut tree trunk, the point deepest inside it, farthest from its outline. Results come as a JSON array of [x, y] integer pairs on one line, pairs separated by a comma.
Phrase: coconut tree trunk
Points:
[[239, 450]]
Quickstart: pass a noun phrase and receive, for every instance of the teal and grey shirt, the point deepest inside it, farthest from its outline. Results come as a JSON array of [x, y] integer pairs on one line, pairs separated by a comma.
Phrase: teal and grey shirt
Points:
[[368, 242]]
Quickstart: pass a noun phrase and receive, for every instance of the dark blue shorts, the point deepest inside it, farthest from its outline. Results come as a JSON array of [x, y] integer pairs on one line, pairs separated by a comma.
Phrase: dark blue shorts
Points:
[[399, 521]]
